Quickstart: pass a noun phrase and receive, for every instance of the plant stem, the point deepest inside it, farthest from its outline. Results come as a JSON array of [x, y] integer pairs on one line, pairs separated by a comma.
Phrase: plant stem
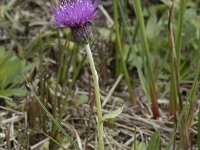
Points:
[[190, 117], [54, 130], [123, 63], [97, 97], [153, 93], [185, 111], [178, 46], [174, 87], [178, 42]]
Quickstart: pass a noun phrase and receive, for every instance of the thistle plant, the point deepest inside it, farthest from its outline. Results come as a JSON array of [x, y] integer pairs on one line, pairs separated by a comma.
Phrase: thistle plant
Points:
[[77, 15]]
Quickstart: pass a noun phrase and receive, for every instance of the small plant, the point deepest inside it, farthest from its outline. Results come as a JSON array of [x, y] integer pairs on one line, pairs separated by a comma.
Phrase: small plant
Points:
[[11, 74], [77, 16]]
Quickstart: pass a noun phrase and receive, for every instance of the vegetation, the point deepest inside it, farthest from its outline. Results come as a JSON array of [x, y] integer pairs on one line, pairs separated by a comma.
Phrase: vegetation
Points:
[[147, 58]]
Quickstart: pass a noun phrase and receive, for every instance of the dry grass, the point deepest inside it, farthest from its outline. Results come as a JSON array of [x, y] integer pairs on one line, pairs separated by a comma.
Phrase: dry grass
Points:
[[24, 127]]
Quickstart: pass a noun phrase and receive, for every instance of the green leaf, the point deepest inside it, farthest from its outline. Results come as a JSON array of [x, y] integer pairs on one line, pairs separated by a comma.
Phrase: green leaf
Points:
[[112, 114], [83, 99], [152, 29], [11, 103], [12, 69], [105, 33], [139, 146], [13, 92], [68, 137], [154, 142]]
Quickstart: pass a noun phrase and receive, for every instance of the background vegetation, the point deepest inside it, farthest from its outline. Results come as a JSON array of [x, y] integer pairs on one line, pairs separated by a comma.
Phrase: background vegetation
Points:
[[147, 54]]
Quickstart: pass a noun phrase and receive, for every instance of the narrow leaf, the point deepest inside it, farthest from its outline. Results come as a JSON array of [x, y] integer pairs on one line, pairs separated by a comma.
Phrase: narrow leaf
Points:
[[154, 142], [112, 114]]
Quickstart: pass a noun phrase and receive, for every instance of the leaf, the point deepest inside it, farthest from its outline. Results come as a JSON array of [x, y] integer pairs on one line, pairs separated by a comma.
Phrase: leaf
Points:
[[82, 99], [139, 146], [152, 29], [12, 69], [105, 33], [112, 114], [68, 137], [154, 142], [11, 103], [11, 92]]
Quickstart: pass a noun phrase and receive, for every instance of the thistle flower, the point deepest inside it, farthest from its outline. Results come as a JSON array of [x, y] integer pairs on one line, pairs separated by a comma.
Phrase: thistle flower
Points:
[[77, 15]]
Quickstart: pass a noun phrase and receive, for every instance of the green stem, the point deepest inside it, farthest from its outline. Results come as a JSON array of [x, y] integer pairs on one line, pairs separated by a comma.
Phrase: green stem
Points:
[[190, 118], [54, 130], [178, 45], [182, 5], [97, 97], [139, 15], [173, 104], [122, 61]]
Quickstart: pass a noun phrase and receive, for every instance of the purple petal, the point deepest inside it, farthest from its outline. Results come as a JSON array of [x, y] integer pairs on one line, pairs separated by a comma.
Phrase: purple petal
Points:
[[74, 14]]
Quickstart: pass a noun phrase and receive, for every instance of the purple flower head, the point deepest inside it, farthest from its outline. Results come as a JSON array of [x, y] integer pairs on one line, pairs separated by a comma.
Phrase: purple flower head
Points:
[[75, 13]]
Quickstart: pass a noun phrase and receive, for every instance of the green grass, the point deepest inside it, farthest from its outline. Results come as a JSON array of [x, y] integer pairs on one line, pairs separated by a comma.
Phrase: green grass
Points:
[[145, 45], [57, 124], [157, 52], [120, 52]]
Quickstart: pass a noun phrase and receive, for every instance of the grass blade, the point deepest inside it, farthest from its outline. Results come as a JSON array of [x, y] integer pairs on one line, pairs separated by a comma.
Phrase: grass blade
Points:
[[124, 67], [185, 111], [52, 118], [154, 142], [153, 93], [178, 43]]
